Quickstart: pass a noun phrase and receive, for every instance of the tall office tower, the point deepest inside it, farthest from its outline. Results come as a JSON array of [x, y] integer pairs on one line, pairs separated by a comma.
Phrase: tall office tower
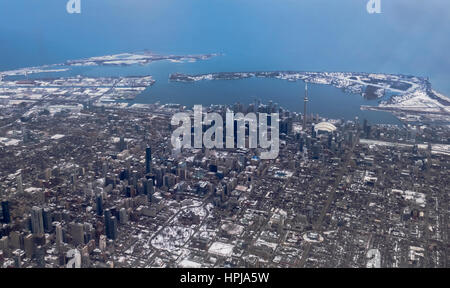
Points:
[[77, 233], [316, 150], [308, 142], [47, 219], [305, 103], [37, 221], [113, 228], [5, 212], [19, 183], [143, 183], [122, 144], [59, 236], [28, 245], [148, 159], [108, 222], [99, 204], [123, 216], [150, 189]]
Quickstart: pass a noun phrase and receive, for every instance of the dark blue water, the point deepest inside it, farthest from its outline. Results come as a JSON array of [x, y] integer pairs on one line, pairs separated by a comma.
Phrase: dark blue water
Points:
[[324, 100], [409, 37]]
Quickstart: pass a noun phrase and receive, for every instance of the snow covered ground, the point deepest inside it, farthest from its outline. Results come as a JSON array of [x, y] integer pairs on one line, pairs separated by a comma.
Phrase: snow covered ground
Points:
[[221, 249]]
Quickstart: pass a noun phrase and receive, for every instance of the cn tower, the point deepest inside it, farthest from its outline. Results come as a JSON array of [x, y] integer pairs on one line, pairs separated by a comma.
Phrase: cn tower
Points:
[[305, 104]]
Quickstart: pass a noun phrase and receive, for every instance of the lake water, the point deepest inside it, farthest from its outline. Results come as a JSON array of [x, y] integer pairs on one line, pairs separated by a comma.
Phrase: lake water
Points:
[[409, 37], [327, 101]]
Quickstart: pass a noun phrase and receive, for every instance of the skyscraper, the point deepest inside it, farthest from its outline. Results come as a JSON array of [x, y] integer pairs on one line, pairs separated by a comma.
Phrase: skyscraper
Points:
[[305, 103], [5, 212], [150, 189], [107, 222], [59, 236], [99, 205], [148, 159], [123, 216], [110, 224], [122, 144], [113, 226], [47, 219], [77, 233], [37, 221]]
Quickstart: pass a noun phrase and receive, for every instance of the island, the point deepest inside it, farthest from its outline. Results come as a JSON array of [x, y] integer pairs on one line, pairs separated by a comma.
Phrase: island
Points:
[[27, 86]]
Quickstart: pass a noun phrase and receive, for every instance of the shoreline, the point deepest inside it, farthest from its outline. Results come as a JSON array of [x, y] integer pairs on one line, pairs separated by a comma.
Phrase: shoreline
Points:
[[412, 99], [414, 95]]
